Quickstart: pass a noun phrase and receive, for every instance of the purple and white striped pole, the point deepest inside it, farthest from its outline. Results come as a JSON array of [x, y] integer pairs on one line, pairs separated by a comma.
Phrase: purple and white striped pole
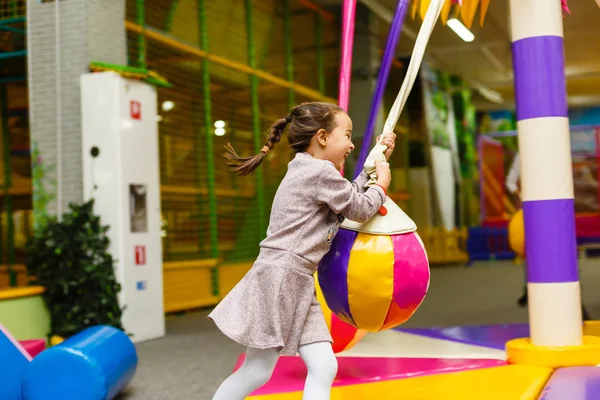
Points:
[[546, 172]]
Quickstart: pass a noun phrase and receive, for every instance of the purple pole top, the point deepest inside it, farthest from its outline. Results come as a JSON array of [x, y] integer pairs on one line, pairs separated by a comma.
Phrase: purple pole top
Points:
[[540, 89], [384, 72]]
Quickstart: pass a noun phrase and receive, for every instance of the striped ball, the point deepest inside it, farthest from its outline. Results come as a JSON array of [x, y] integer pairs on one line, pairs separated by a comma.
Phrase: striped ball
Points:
[[344, 335], [372, 281]]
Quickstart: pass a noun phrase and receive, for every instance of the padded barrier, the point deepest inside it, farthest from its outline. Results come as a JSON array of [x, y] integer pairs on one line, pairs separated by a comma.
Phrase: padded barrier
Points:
[[95, 364]]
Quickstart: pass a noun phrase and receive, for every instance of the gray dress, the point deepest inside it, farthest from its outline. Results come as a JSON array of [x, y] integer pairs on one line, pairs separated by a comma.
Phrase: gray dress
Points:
[[274, 304]]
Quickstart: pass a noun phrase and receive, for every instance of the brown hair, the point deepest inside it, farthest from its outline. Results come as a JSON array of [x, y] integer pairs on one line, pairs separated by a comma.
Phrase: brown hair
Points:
[[305, 120]]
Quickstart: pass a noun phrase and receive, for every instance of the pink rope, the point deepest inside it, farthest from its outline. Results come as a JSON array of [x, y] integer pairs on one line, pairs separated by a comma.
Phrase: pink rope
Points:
[[347, 44]]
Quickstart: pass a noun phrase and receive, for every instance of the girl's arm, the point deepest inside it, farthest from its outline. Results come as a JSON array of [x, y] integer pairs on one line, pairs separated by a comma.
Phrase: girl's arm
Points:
[[343, 197], [359, 183]]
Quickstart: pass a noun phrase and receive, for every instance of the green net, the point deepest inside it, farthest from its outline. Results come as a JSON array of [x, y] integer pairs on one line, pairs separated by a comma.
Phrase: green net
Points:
[[15, 167], [201, 198], [202, 47], [10, 9]]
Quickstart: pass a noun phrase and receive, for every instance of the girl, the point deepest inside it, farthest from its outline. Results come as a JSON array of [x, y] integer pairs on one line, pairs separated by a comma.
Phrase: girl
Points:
[[273, 310]]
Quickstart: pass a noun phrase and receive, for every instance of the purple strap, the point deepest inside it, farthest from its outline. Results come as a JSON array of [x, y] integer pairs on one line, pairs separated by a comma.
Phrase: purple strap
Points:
[[384, 72]]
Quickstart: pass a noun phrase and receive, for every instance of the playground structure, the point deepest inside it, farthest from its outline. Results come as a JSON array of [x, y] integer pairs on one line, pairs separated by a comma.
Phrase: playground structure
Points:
[[211, 220], [498, 206], [496, 203], [558, 357], [98, 363], [223, 275]]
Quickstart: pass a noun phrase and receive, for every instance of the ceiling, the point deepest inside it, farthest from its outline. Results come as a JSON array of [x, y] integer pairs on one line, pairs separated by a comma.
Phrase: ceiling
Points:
[[487, 60]]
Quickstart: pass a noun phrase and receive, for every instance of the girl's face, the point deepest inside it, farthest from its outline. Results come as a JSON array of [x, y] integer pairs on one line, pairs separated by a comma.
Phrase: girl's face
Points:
[[337, 144]]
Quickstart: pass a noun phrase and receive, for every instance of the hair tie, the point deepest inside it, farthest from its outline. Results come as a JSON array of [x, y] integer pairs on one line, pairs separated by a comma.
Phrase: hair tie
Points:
[[288, 118], [265, 149]]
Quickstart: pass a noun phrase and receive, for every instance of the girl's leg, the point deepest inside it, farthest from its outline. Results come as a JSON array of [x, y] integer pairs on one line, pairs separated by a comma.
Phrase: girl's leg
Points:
[[254, 372], [322, 368]]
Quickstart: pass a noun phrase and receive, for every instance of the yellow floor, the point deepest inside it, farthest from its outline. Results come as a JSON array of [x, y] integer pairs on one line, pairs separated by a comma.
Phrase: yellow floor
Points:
[[511, 382]]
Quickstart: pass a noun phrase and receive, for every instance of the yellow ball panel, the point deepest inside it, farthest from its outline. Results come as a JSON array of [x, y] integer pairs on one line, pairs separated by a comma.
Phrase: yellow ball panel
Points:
[[370, 280]]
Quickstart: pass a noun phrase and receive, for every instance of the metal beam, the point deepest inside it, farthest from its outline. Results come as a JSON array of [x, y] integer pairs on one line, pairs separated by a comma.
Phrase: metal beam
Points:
[[171, 15], [289, 49], [141, 20], [11, 79], [9, 21], [13, 54], [256, 123], [317, 9], [172, 42], [209, 145], [11, 29], [385, 14], [8, 200]]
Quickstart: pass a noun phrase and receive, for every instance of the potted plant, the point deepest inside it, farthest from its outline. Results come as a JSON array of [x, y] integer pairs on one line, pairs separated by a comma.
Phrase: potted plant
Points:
[[69, 258]]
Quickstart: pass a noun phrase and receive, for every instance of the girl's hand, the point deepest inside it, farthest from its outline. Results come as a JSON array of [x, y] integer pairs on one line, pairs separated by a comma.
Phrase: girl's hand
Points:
[[384, 175], [389, 139]]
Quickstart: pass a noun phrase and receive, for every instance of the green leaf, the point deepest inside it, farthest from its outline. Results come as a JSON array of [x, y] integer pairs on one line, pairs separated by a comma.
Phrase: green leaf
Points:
[[70, 259]]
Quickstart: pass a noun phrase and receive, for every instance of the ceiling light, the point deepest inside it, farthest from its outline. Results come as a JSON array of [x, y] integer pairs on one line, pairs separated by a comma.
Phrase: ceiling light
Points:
[[168, 105], [462, 31], [220, 131]]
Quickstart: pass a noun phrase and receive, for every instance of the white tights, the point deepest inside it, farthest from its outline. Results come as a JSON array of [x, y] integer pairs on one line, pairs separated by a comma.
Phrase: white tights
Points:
[[258, 366]]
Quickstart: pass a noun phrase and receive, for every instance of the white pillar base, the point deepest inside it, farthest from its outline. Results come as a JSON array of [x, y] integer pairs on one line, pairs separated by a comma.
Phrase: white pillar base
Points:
[[555, 314]]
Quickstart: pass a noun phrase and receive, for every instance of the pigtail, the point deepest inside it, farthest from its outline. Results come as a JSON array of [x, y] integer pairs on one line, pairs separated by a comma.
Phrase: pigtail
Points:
[[245, 166]]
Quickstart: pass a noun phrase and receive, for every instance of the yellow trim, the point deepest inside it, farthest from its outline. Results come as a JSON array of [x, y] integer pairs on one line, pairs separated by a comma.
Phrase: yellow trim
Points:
[[191, 190], [230, 275], [591, 328], [445, 247], [15, 267], [16, 293], [210, 263], [522, 351], [191, 304], [241, 264]]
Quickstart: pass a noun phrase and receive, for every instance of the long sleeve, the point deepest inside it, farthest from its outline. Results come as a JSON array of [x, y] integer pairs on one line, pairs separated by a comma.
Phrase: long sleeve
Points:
[[340, 195], [514, 174], [360, 182]]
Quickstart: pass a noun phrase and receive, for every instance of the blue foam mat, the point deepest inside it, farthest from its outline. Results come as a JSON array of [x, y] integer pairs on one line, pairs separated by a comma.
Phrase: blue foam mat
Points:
[[493, 336], [13, 363], [95, 364], [575, 383]]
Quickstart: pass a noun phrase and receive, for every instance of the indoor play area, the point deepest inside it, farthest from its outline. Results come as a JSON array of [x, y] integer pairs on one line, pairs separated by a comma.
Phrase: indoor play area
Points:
[[122, 227]]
